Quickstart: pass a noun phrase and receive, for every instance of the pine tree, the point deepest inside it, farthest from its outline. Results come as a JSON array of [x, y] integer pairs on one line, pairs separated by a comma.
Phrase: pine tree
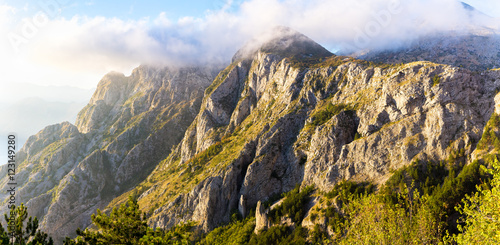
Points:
[[125, 225], [18, 234]]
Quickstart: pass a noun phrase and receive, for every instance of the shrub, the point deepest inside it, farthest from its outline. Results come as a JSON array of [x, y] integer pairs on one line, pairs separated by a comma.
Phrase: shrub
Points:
[[435, 80], [322, 116], [292, 205]]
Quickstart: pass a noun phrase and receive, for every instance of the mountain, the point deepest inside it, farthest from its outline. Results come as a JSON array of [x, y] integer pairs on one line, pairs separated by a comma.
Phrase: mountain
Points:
[[194, 145], [66, 172], [274, 119], [468, 7], [478, 51], [282, 41], [473, 44]]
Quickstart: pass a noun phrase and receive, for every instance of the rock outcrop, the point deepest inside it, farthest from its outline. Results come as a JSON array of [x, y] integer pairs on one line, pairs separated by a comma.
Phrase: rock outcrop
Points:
[[261, 218]]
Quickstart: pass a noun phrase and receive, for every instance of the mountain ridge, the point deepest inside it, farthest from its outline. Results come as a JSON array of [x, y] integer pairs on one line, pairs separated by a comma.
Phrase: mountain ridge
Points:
[[282, 41], [192, 145], [248, 174], [66, 172], [477, 51]]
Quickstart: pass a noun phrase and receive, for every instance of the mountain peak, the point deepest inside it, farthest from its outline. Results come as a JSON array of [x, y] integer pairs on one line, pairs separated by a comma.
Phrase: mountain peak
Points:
[[283, 41], [467, 6]]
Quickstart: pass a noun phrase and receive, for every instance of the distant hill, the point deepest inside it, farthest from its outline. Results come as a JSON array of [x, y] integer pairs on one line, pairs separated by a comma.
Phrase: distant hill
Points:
[[476, 52]]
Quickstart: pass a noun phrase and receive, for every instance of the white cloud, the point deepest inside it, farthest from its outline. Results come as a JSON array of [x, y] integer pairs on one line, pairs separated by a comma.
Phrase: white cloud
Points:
[[78, 51], [6, 13], [5, 9]]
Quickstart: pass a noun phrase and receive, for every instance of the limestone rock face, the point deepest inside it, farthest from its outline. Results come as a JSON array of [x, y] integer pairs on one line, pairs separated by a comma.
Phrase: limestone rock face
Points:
[[326, 144], [67, 172], [292, 122]]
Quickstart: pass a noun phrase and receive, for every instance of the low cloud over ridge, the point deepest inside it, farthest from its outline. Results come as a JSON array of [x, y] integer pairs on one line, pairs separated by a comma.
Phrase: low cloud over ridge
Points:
[[100, 44]]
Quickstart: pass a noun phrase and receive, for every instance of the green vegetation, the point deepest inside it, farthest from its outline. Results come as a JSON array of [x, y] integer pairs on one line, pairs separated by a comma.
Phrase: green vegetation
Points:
[[204, 156], [397, 214], [326, 113], [220, 78], [132, 99], [481, 212], [125, 225], [415, 206], [241, 231], [238, 232], [435, 80], [172, 177], [128, 225], [181, 176], [301, 62], [281, 235], [425, 177], [22, 232], [292, 206], [490, 141], [342, 193], [347, 190], [442, 188], [373, 221], [180, 234], [357, 136]]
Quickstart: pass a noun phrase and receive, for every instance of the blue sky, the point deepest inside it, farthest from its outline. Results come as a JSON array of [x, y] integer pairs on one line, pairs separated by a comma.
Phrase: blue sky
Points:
[[175, 9], [126, 9]]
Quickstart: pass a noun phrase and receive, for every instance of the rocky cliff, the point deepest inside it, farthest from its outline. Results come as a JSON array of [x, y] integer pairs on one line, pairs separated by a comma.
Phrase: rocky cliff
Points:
[[272, 120], [66, 172], [192, 145]]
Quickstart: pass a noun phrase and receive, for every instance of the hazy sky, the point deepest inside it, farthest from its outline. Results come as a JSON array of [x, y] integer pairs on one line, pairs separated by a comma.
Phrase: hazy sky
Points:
[[489, 7], [75, 42]]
